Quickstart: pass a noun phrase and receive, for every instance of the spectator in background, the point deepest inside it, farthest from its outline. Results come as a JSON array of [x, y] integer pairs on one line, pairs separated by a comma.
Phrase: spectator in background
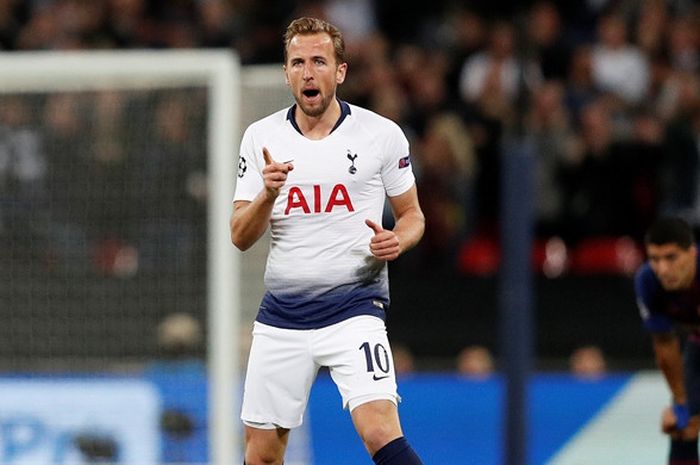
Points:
[[681, 179], [619, 67], [651, 27], [357, 20], [588, 362], [490, 84], [597, 184], [446, 169], [580, 87], [179, 373], [169, 187], [589, 180], [64, 129], [23, 169], [129, 26], [10, 14], [491, 78], [221, 24], [683, 43], [106, 192], [546, 35], [475, 362], [643, 156], [467, 33], [404, 363], [553, 135]]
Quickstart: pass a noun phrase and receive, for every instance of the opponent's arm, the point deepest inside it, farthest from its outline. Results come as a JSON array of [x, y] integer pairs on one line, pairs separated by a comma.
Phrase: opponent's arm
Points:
[[676, 419], [249, 220], [410, 223], [670, 361]]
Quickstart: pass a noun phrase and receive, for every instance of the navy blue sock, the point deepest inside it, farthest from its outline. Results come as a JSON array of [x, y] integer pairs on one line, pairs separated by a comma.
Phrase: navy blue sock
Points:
[[683, 453], [397, 452]]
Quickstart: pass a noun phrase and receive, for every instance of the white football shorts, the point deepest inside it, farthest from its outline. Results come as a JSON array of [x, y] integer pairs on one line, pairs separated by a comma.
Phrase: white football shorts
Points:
[[283, 364]]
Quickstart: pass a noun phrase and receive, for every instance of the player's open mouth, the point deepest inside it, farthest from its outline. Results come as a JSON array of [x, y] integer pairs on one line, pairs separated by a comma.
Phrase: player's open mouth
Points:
[[311, 93]]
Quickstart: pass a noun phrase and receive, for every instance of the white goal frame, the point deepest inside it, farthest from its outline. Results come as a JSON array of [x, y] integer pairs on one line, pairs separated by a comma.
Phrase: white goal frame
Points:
[[219, 71]]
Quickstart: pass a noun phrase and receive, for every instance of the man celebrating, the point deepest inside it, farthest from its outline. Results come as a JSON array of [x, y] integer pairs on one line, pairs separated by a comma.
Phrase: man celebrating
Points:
[[668, 295], [318, 173]]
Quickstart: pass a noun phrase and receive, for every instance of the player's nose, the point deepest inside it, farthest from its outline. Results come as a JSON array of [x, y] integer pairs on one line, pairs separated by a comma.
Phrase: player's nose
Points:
[[307, 72], [664, 269]]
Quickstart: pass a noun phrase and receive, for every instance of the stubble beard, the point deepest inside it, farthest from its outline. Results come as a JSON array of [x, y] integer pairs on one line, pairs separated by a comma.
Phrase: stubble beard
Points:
[[315, 111]]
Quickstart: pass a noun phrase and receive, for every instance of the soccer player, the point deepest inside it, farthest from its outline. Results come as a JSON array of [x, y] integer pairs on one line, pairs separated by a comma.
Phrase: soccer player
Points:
[[668, 295], [318, 174]]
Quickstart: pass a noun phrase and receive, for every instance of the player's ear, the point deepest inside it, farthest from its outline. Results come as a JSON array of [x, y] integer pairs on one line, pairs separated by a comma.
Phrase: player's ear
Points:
[[286, 78], [340, 73]]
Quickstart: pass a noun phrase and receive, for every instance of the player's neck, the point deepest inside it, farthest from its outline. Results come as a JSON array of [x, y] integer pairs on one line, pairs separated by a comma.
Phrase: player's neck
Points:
[[318, 127]]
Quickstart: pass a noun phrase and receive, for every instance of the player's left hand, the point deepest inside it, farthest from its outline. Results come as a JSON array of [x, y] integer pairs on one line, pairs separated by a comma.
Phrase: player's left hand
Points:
[[669, 425], [384, 245]]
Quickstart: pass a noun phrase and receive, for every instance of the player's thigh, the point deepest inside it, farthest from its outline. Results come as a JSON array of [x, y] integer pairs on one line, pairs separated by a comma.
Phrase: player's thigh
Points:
[[359, 358], [278, 378]]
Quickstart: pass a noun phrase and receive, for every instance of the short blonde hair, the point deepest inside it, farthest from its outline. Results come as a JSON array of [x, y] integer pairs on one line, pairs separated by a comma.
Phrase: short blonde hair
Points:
[[308, 26]]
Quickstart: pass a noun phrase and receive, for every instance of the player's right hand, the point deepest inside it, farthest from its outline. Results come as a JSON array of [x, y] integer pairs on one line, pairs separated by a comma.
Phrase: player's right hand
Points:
[[274, 174]]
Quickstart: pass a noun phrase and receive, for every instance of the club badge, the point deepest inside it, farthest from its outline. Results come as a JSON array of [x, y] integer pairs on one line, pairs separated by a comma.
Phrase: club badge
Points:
[[351, 157]]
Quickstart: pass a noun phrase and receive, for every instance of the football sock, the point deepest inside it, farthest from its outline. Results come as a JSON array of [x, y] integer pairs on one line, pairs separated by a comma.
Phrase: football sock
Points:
[[683, 453], [397, 452]]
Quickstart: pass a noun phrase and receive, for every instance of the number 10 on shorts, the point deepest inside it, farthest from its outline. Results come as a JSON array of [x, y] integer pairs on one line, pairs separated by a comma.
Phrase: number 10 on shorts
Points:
[[377, 356]]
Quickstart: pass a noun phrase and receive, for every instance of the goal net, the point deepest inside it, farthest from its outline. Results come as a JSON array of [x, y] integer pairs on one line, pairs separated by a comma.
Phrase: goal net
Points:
[[117, 171]]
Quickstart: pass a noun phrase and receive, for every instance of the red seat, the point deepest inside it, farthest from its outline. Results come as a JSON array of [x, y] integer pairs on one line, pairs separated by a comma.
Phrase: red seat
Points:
[[606, 255], [479, 256]]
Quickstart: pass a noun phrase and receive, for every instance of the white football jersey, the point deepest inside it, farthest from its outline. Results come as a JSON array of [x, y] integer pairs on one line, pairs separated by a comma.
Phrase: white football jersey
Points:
[[319, 267]]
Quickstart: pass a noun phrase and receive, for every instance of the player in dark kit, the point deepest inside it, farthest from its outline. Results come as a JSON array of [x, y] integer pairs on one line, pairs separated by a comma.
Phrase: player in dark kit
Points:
[[668, 295]]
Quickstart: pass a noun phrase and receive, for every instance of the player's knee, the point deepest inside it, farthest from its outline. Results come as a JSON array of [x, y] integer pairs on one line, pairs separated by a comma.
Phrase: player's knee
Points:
[[262, 458], [378, 435], [377, 423], [263, 455]]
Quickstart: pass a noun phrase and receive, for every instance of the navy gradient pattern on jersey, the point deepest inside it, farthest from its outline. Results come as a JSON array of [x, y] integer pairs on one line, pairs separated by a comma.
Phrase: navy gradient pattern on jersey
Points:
[[301, 311]]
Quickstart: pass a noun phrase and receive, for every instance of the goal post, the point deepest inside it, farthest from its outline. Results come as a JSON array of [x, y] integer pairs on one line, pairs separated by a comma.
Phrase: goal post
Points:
[[218, 72]]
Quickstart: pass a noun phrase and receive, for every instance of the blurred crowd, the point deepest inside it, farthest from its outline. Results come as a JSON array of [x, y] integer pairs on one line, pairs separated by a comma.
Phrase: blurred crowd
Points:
[[106, 182], [606, 92]]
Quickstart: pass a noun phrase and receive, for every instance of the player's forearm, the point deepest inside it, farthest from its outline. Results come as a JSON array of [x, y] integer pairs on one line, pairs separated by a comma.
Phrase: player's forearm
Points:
[[670, 362], [409, 229], [249, 221]]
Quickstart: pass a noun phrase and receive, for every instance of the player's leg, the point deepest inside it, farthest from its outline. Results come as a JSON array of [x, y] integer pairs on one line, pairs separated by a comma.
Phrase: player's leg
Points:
[[278, 381], [358, 355], [684, 447], [265, 446], [377, 423]]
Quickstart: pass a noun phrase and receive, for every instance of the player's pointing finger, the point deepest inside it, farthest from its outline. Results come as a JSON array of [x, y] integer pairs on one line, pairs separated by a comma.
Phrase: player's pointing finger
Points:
[[267, 156]]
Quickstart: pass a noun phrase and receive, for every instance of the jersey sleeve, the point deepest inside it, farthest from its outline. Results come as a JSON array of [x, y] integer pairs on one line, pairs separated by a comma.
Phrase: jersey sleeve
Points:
[[397, 172], [645, 288], [249, 181]]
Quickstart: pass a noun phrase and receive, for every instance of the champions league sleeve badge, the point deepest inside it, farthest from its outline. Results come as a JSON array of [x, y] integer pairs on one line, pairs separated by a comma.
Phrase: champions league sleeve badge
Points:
[[242, 167]]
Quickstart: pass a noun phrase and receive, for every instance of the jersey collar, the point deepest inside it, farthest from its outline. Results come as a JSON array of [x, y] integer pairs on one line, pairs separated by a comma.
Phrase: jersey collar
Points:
[[344, 112]]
